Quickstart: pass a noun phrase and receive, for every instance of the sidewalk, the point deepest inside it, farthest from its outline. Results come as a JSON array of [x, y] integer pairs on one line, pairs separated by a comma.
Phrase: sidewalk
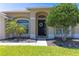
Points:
[[41, 43], [37, 43]]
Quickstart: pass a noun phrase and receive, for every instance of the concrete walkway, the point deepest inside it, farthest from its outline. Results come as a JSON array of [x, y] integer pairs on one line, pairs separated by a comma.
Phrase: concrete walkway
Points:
[[15, 44], [41, 43], [38, 43]]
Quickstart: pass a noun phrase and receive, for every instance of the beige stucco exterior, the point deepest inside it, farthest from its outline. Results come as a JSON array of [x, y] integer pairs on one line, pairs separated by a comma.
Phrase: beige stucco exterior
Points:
[[76, 31], [33, 22], [32, 16], [2, 26]]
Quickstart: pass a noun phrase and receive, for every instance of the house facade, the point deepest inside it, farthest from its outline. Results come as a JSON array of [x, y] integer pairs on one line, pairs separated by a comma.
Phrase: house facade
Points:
[[34, 19]]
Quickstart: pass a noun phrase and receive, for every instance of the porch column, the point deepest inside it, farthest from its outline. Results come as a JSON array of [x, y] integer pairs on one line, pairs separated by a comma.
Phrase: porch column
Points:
[[50, 32], [32, 25], [2, 26]]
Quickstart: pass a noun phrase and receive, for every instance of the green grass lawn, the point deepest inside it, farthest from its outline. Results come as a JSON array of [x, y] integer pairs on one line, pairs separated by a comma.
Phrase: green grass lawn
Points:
[[37, 51]]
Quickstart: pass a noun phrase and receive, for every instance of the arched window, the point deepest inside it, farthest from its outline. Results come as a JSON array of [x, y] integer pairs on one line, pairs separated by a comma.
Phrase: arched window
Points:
[[24, 22]]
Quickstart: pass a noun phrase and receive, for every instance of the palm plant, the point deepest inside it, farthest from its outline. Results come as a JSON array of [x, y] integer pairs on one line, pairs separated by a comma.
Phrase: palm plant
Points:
[[20, 30], [12, 27]]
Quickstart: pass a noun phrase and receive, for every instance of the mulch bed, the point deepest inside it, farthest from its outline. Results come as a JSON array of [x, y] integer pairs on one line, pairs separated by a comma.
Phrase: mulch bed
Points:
[[70, 44], [18, 41]]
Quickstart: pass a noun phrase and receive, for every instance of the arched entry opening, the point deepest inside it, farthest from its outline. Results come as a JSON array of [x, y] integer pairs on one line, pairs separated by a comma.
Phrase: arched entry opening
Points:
[[41, 25]]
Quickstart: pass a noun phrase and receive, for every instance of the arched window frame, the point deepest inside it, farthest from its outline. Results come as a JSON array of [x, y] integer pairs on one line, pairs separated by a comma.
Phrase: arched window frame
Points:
[[42, 17]]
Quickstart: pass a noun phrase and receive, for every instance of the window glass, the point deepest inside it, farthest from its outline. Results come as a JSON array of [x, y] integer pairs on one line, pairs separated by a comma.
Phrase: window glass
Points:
[[59, 31], [24, 23]]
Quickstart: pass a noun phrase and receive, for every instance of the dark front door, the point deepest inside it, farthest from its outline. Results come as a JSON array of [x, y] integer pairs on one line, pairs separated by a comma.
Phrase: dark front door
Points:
[[41, 28]]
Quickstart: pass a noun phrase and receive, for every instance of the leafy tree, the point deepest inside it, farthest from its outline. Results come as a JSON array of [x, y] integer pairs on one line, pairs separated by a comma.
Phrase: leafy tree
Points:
[[10, 27], [63, 16]]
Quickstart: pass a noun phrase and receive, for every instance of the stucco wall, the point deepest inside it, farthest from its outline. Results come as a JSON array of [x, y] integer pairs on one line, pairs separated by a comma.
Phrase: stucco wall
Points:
[[33, 20], [2, 26], [32, 25], [18, 14], [76, 31], [50, 32]]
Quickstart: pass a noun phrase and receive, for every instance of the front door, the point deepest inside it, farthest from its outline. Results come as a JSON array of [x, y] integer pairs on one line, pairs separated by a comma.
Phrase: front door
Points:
[[41, 28]]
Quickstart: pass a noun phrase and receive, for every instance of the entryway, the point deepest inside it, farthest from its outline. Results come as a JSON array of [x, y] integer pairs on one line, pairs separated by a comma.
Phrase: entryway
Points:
[[41, 28]]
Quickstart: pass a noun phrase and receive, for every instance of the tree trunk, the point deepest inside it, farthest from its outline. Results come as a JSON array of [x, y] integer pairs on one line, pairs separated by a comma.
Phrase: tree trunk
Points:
[[64, 34], [72, 32], [65, 30]]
